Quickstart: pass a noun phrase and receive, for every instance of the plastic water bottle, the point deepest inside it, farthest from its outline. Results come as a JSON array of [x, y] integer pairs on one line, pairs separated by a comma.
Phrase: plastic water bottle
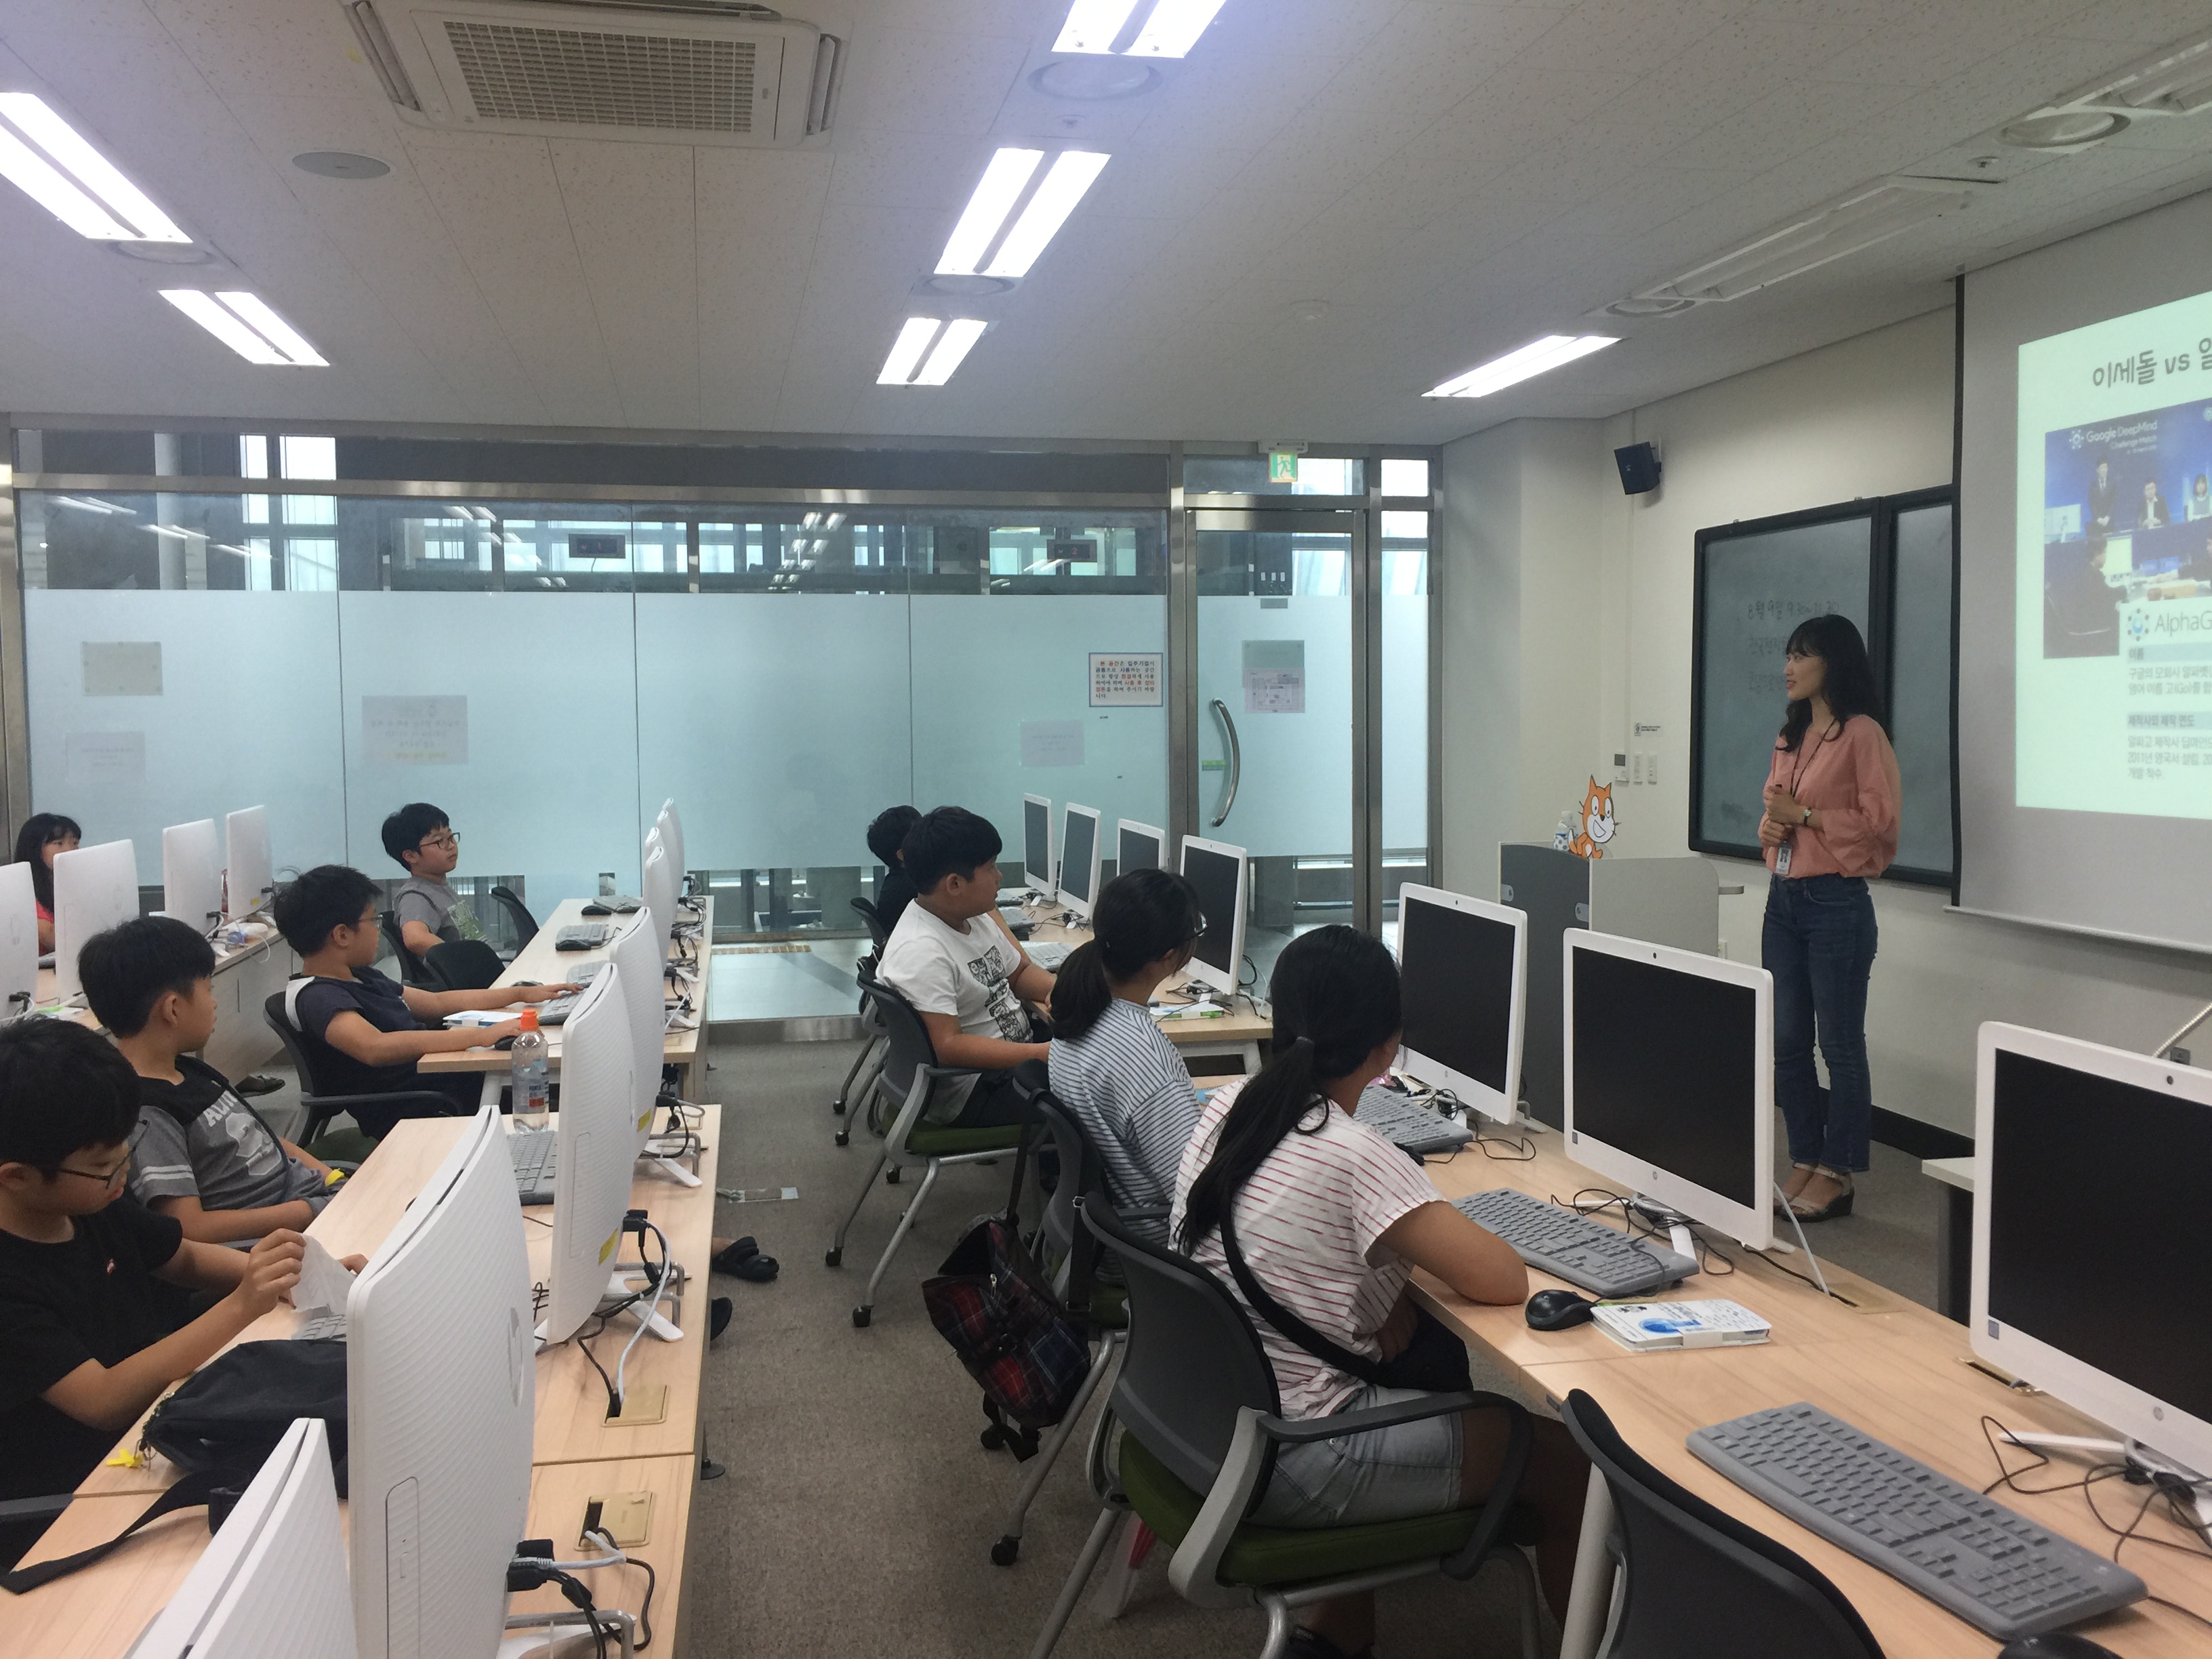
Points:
[[527, 1064]]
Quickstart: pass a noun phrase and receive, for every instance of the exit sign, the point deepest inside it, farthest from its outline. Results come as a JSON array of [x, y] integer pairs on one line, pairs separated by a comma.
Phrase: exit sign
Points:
[[1282, 466]]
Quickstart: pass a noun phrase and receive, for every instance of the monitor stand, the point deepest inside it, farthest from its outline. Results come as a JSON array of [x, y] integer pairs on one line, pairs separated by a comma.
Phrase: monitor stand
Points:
[[1679, 1239], [620, 1289], [2155, 1469]]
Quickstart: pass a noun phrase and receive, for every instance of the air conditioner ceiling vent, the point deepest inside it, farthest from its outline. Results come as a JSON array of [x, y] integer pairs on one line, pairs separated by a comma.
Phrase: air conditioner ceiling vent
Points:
[[597, 78]]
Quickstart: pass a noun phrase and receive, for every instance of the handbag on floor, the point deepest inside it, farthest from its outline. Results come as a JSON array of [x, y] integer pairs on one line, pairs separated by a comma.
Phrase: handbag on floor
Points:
[[990, 1301]]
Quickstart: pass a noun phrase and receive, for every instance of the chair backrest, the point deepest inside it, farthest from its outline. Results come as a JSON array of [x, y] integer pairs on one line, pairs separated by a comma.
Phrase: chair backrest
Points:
[[1701, 1585], [518, 915], [464, 964], [1193, 1360], [297, 1047], [905, 1039], [1082, 1175], [878, 934], [411, 969]]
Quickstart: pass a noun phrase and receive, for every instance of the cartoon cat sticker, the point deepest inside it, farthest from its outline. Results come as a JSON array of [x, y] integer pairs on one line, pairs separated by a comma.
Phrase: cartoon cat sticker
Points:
[[1597, 822]]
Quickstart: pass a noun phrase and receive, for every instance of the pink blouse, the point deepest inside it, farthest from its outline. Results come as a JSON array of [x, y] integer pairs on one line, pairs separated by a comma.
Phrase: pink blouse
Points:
[[1849, 778]]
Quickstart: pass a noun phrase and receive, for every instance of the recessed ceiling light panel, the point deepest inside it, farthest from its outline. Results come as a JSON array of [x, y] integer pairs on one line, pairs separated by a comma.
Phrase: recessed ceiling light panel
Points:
[[1049, 205], [1537, 357], [1163, 29], [245, 323], [928, 351], [976, 247], [54, 164], [995, 194]]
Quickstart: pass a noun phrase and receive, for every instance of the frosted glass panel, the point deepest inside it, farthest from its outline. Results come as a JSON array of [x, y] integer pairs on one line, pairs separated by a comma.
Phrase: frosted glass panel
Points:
[[1920, 686], [777, 720], [1002, 706], [516, 713], [1294, 793], [246, 713]]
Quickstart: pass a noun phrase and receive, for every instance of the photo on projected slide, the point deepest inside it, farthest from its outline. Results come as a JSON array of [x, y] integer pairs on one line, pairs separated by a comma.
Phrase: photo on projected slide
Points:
[[2114, 537]]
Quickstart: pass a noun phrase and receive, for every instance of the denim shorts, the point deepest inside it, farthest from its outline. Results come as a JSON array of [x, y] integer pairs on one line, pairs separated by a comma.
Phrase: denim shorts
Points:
[[1384, 1474]]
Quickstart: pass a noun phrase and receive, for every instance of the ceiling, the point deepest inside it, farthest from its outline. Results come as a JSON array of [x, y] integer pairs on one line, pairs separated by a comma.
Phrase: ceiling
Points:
[[1329, 208]]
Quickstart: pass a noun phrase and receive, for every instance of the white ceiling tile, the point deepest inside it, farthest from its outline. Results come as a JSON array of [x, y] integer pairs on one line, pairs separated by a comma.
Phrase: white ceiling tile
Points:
[[927, 80]]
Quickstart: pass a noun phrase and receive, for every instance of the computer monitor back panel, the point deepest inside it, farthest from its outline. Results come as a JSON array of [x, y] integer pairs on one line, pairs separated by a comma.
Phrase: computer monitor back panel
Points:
[[1139, 847], [191, 874], [95, 888], [1670, 1078], [672, 836], [1079, 860], [2088, 1274], [597, 1152], [657, 887], [1463, 970], [440, 1381], [249, 872], [1036, 844], [647, 1010], [19, 940], [1217, 871]]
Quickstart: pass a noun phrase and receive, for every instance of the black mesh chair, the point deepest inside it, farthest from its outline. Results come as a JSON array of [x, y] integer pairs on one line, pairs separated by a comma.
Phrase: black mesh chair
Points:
[[1696, 1584], [322, 1106], [1197, 1400], [518, 915], [878, 937], [411, 971], [463, 964]]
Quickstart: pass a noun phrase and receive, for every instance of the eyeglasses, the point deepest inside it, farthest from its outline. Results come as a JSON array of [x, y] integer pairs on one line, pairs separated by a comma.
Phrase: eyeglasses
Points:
[[446, 841], [114, 1177]]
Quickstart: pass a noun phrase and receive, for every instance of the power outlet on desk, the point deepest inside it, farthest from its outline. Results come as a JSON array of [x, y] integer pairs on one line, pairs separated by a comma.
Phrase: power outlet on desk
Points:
[[624, 1517], [642, 1406], [2179, 1056]]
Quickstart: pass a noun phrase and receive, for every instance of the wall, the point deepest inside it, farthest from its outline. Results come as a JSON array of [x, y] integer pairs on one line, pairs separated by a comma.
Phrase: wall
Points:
[[1545, 677]]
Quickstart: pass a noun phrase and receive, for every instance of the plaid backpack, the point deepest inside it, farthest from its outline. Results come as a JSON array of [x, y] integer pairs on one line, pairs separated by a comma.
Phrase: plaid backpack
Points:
[[991, 1302]]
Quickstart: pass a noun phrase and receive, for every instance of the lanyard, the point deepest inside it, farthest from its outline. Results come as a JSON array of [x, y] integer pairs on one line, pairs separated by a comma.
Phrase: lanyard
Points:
[[1805, 759]]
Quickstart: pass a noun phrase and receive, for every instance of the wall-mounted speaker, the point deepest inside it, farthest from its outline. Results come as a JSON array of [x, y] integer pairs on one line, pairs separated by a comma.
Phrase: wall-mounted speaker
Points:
[[1639, 468]]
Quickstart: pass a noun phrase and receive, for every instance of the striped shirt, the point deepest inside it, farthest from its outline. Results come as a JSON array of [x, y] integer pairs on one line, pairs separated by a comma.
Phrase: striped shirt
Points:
[[1125, 1085], [1309, 1223]]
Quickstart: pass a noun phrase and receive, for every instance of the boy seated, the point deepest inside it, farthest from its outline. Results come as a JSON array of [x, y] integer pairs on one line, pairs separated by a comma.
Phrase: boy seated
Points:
[[85, 1346], [364, 1030], [430, 912], [199, 1153], [886, 835], [952, 958]]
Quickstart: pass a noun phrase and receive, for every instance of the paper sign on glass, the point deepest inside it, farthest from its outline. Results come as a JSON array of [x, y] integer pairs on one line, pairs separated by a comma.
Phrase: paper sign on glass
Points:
[[1274, 677], [415, 731], [1127, 679], [1052, 742]]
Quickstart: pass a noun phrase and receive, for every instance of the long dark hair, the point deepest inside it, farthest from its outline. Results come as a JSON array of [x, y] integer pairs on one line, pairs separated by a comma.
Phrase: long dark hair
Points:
[[1846, 677], [1335, 993], [31, 841], [1140, 918]]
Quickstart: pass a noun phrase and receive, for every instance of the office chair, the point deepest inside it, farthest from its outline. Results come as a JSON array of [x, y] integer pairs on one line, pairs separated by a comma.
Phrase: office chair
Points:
[[1700, 1584], [518, 915], [464, 964], [910, 1068], [411, 971], [874, 1026], [322, 1107], [1197, 1401]]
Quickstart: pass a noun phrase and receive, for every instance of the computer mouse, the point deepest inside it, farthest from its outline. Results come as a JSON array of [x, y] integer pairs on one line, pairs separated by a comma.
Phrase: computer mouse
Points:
[[504, 1043], [1557, 1310], [597, 910], [2057, 1644]]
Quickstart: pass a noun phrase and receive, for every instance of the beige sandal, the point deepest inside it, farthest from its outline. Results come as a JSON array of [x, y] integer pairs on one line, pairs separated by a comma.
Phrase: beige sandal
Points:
[[1840, 1204]]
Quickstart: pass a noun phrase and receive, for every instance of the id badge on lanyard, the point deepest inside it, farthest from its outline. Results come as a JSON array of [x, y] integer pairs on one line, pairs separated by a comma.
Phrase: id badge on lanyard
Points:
[[1782, 858]]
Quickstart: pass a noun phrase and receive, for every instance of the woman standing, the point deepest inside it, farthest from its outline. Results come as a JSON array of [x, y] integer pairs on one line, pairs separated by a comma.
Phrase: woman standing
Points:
[[1831, 806]]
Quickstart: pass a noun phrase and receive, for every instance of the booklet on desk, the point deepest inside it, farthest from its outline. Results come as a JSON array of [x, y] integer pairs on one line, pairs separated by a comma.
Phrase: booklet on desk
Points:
[[1645, 1326]]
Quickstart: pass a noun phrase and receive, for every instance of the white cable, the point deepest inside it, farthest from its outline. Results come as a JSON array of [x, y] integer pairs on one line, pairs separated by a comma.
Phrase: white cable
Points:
[[660, 1290], [1811, 1261]]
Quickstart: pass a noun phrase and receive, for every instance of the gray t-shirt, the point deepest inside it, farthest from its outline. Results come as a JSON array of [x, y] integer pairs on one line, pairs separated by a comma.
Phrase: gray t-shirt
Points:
[[437, 907], [224, 1155]]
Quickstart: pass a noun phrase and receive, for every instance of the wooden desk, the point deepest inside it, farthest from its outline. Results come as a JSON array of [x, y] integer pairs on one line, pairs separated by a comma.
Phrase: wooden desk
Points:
[[244, 979], [538, 961], [558, 1493], [99, 1613], [1236, 1035]]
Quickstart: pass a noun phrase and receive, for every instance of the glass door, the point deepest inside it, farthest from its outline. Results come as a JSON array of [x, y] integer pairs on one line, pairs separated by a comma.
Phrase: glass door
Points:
[[1278, 675]]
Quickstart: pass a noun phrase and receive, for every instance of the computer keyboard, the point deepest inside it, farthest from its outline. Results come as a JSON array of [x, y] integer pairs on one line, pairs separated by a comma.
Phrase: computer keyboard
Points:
[[1414, 1129], [581, 936], [535, 1163], [555, 1010], [1049, 956], [1583, 1252], [583, 973], [1996, 1569]]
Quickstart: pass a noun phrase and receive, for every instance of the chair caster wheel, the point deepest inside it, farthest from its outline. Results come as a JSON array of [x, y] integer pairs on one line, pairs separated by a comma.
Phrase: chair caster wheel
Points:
[[837, 1109], [861, 1318], [892, 1178], [844, 1137], [833, 1258], [1005, 1551]]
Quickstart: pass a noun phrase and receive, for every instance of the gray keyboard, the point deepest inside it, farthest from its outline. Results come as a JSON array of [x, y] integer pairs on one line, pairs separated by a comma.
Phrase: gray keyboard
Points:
[[1048, 956], [554, 1010], [581, 936], [1605, 1262], [535, 1163], [1999, 1571], [1414, 1129]]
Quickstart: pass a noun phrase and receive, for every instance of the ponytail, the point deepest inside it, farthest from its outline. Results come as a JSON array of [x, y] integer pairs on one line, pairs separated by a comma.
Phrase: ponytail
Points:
[[1335, 996], [1138, 919]]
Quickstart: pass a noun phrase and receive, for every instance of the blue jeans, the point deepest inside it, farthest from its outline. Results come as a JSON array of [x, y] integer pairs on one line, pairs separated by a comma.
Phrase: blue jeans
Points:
[[1818, 943]]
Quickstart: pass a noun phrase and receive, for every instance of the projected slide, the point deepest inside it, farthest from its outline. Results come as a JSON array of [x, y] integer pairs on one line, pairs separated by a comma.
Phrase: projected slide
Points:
[[2114, 526]]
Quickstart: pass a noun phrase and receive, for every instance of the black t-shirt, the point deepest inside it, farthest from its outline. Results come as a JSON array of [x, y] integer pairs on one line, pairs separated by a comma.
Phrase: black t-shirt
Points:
[[893, 893], [94, 1297], [377, 999]]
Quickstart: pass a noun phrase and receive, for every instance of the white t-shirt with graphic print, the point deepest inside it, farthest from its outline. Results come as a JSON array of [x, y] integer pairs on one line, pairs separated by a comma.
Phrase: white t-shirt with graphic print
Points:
[[962, 971]]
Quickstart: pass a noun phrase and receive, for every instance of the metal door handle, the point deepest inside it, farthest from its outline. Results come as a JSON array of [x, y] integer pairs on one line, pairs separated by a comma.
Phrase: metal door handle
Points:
[[1235, 763]]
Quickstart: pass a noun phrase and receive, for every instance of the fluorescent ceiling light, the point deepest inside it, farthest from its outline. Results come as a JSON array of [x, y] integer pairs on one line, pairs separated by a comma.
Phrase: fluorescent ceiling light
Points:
[[1054, 199], [1857, 219], [995, 195], [1531, 360], [2175, 80], [1093, 25], [960, 335], [1173, 29], [93, 507], [72, 180], [906, 351], [240, 326]]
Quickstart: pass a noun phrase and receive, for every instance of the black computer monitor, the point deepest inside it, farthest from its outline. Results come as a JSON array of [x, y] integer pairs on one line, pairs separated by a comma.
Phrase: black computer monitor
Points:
[[1138, 846], [1036, 843], [1216, 869], [1461, 964], [1078, 859]]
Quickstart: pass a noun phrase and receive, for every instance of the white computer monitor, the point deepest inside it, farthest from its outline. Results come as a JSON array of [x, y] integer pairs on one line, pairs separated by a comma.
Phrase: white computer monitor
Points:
[[1462, 965], [440, 1389], [249, 878], [657, 887], [1218, 872], [597, 1154], [1139, 847], [95, 888], [191, 874], [647, 1010], [1036, 845], [1078, 859], [272, 1580], [1670, 1079], [2088, 1254], [19, 940], [672, 836]]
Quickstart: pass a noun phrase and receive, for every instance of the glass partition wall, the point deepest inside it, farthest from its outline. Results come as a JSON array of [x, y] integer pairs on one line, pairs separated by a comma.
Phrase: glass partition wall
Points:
[[548, 670]]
